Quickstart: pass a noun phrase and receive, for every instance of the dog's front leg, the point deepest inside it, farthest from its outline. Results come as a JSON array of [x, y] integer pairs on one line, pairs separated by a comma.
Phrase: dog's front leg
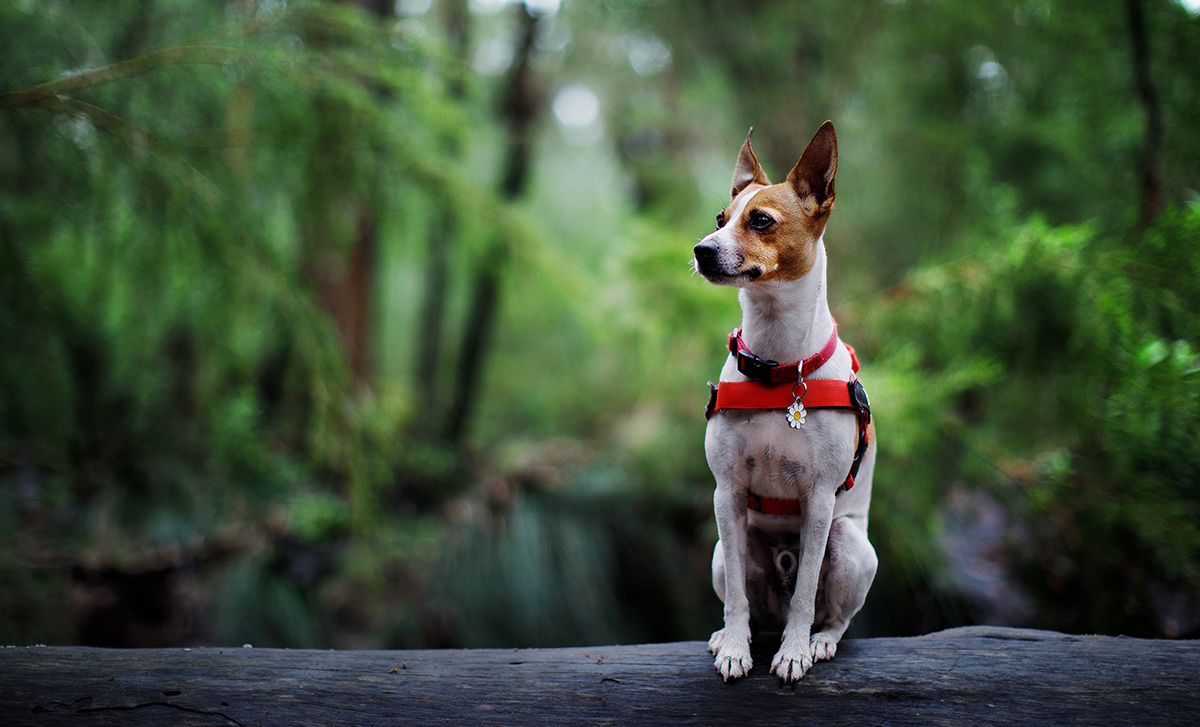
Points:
[[731, 645], [795, 654]]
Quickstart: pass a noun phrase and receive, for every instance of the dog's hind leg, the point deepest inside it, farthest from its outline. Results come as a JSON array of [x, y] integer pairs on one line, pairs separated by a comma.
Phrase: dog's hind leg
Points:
[[718, 571], [850, 564]]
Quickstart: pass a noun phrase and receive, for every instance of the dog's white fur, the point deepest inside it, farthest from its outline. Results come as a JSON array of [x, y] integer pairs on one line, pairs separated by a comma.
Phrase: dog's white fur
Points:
[[756, 451]]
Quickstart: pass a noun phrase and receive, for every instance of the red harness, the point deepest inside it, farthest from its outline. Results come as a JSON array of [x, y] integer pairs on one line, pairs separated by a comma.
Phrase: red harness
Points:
[[773, 386]]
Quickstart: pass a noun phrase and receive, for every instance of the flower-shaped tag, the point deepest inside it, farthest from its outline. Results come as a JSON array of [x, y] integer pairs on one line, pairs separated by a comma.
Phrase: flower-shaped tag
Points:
[[795, 414]]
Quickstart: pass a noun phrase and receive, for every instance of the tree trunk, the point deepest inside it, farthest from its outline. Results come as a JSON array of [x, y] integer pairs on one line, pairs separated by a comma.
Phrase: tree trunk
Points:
[[1147, 92], [345, 287], [431, 324], [520, 104], [455, 17]]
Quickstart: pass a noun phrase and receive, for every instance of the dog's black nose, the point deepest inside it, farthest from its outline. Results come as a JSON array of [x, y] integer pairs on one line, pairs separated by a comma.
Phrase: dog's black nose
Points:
[[706, 254]]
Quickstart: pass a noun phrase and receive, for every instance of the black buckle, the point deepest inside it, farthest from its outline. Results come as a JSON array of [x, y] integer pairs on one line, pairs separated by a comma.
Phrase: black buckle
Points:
[[711, 408], [858, 397], [756, 368]]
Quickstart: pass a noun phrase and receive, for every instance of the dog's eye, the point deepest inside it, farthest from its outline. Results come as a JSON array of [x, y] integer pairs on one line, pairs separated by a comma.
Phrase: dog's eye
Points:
[[760, 221], [720, 220]]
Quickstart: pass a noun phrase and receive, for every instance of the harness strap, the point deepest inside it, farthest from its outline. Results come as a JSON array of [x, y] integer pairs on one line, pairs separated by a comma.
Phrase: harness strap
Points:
[[815, 394], [773, 506], [820, 394]]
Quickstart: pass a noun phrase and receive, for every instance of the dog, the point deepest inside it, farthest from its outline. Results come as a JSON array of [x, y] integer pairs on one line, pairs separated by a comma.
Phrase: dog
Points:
[[804, 564]]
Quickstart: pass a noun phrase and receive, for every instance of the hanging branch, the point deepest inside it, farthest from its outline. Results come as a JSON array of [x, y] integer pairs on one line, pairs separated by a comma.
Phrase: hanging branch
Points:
[[54, 96], [139, 140], [96, 76]]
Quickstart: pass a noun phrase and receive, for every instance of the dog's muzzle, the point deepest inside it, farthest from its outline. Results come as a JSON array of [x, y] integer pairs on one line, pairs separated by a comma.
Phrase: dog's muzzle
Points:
[[708, 264], [706, 259]]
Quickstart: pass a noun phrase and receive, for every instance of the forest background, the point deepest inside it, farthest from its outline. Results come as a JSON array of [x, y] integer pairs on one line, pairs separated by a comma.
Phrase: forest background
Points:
[[371, 324]]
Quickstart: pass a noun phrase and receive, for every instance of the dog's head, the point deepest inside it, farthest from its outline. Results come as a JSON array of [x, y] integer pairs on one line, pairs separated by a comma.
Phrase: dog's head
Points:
[[771, 232]]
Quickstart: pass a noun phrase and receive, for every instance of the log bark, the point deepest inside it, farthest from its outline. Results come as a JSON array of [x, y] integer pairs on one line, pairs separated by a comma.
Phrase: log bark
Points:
[[976, 675]]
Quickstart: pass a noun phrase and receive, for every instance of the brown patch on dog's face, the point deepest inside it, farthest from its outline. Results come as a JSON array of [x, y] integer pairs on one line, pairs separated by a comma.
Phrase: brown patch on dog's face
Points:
[[775, 235], [771, 232]]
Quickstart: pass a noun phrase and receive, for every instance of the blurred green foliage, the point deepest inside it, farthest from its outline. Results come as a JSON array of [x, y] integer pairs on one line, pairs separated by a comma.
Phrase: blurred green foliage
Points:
[[201, 443], [1061, 387]]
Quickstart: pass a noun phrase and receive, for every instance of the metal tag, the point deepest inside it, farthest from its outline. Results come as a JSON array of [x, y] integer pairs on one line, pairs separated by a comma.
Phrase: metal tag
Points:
[[796, 414]]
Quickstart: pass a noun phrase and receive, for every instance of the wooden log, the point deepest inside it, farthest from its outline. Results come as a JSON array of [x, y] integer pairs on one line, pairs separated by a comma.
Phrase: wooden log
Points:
[[966, 676]]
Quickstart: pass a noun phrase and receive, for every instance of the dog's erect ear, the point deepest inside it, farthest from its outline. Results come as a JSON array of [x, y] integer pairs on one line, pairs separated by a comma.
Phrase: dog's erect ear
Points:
[[812, 177], [748, 169]]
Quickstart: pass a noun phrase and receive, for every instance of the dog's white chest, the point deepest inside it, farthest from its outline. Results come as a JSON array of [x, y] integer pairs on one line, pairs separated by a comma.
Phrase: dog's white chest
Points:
[[758, 450]]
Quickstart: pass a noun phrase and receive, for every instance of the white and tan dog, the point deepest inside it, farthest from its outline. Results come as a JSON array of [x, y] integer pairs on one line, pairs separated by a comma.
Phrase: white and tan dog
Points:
[[805, 571]]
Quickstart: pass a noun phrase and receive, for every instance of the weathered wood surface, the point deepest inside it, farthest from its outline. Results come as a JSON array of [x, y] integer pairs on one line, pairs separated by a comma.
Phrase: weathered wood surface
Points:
[[968, 676]]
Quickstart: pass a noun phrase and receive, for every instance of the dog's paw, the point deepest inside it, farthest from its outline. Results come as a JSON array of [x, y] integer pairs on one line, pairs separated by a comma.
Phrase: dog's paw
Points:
[[791, 663], [733, 654], [824, 646], [733, 665]]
